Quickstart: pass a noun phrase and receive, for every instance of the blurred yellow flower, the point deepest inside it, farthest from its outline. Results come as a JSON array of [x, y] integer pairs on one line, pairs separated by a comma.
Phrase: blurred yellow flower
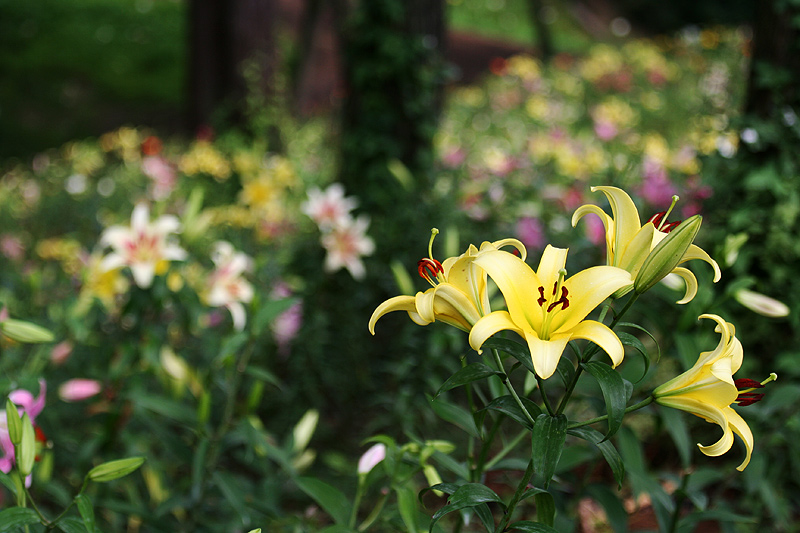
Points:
[[204, 158]]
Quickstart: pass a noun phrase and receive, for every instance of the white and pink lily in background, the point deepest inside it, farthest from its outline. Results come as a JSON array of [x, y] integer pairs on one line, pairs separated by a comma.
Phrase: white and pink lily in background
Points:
[[227, 286], [26, 403], [145, 247]]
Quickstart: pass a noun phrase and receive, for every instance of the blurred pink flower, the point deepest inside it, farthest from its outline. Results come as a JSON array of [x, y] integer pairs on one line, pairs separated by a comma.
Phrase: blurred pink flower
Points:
[[144, 247], [346, 244], [454, 157], [595, 230], [11, 247], [531, 232], [25, 403], [656, 187], [371, 458], [163, 175], [605, 131], [329, 208], [61, 352], [287, 324], [79, 389]]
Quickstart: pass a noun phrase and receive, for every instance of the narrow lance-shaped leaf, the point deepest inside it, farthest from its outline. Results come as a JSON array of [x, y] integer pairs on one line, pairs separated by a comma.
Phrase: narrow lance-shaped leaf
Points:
[[608, 450], [468, 374], [328, 497], [86, 510], [467, 495], [508, 406], [614, 393], [549, 434]]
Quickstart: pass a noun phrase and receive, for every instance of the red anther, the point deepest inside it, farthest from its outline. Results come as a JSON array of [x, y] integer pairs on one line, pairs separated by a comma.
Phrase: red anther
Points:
[[40, 436], [746, 383], [541, 300], [429, 268], [657, 220], [748, 398], [563, 300]]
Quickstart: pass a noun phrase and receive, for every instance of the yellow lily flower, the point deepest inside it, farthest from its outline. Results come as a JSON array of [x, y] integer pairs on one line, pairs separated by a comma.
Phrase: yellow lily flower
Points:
[[458, 294], [708, 389], [628, 242], [557, 316]]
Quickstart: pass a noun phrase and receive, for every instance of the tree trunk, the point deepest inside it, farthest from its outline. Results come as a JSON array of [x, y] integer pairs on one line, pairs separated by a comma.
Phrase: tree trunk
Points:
[[225, 36]]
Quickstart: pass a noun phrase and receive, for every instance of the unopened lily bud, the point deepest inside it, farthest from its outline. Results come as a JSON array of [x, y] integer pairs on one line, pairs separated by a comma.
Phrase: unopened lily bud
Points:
[[371, 458], [14, 422], [667, 254], [26, 451]]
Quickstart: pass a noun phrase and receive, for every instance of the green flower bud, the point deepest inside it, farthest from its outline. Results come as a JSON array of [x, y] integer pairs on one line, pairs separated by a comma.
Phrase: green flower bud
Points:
[[112, 470], [26, 451], [667, 254], [14, 423]]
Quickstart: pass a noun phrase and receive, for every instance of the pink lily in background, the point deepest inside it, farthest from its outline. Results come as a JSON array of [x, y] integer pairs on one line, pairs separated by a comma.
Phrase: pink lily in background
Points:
[[227, 286], [26, 403]]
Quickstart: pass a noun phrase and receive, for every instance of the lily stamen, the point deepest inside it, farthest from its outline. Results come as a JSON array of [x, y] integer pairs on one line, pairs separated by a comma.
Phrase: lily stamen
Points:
[[430, 269], [659, 220], [747, 386]]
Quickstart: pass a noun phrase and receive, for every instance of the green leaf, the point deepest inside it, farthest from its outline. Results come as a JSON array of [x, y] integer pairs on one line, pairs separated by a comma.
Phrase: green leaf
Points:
[[548, 436], [631, 340], [485, 514], [86, 510], [468, 374], [71, 524], [114, 469], [608, 450], [676, 427], [455, 415], [517, 350], [526, 526], [17, 517], [233, 493], [545, 508], [612, 504], [646, 332], [331, 499], [6, 480], [264, 375], [613, 387], [22, 331], [508, 406], [566, 370], [164, 406], [407, 504], [467, 495]]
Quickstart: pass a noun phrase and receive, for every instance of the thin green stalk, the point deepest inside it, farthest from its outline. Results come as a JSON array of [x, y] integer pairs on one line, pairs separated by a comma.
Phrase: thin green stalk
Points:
[[510, 387], [357, 501], [506, 449], [647, 401], [479, 466], [593, 350], [512, 505], [545, 399], [676, 513]]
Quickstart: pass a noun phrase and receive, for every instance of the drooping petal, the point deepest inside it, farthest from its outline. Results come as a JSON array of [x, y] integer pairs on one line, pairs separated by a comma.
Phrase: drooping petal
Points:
[[691, 284], [710, 414], [489, 325], [695, 252], [741, 428], [601, 335], [143, 274], [396, 303], [237, 314], [166, 224], [140, 217], [587, 289], [637, 250], [459, 301]]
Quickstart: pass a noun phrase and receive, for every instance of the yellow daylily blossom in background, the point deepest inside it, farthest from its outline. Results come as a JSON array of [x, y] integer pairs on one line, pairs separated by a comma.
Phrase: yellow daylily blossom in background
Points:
[[546, 309], [707, 390], [628, 242], [458, 296]]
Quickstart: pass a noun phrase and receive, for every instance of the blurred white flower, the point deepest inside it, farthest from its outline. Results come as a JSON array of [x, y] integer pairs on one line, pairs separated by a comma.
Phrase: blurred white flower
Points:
[[371, 458], [346, 244], [144, 247], [329, 208], [226, 285], [761, 303]]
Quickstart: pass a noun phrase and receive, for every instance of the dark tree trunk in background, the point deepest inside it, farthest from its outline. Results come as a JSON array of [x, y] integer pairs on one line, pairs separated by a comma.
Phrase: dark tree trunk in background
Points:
[[775, 69], [224, 37]]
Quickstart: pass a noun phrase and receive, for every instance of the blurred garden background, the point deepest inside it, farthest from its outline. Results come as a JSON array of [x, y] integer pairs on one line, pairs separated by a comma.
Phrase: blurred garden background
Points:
[[294, 156]]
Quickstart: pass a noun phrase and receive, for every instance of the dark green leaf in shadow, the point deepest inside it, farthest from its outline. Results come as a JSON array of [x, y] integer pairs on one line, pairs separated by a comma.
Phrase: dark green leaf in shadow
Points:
[[468, 374], [614, 393], [548, 436]]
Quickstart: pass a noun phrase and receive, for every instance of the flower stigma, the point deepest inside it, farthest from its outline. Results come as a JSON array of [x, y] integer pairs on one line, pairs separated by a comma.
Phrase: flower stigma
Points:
[[659, 220]]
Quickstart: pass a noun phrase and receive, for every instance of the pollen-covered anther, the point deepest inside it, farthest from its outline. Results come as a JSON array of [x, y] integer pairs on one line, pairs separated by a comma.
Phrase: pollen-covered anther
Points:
[[659, 221], [429, 269], [746, 396], [563, 300]]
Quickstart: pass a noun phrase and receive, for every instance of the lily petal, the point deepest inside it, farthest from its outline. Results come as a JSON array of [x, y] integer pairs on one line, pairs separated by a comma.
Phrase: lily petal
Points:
[[601, 335], [695, 252], [488, 326], [397, 303], [587, 289], [518, 283], [741, 428], [546, 354], [691, 284], [626, 216]]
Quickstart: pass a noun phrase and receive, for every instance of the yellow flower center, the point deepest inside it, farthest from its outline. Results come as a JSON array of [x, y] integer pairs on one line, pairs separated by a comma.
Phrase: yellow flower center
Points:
[[550, 303]]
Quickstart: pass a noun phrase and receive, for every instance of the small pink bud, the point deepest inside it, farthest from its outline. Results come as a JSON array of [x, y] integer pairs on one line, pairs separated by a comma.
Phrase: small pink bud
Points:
[[371, 458], [78, 389]]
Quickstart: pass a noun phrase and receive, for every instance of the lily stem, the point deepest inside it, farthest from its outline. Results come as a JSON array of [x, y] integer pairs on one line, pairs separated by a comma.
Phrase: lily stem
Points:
[[510, 387], [647, 401], [593, 350], [512, 505]]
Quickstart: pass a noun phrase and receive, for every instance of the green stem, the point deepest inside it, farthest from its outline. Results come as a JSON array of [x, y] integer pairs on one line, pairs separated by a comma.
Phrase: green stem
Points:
[[357, 501], [676, 513], [505, 451], [52, 524], [480, 465], [512, 505], [507, 383], [647, 401], [593, 350], [42, 518], [545, 399]]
